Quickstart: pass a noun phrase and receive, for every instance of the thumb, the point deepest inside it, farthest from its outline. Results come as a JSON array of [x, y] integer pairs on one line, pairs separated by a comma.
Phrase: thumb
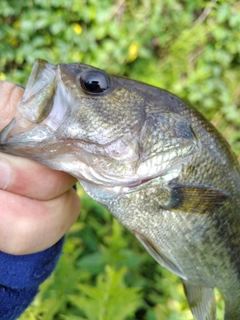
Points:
[[10, 96]]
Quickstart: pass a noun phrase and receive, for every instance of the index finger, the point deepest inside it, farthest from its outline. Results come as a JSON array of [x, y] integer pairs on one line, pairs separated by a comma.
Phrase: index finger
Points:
[[31, 179]]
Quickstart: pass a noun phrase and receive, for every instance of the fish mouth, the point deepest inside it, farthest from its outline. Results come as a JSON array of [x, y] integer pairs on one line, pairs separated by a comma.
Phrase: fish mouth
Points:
[[41, 104]]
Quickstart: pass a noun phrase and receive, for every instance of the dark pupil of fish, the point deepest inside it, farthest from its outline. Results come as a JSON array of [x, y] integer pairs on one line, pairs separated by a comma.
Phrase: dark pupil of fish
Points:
[[94, 82]]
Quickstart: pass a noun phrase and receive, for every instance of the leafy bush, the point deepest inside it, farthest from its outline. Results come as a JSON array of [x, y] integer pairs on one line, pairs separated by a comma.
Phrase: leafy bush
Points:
[[190, 48]]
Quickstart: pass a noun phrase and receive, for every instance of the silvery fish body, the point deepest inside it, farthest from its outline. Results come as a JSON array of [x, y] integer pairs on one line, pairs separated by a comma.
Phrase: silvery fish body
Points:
[[160, 168]]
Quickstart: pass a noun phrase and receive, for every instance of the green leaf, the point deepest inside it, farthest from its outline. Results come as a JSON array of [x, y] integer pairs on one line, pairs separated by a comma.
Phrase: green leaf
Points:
[[109, 299]]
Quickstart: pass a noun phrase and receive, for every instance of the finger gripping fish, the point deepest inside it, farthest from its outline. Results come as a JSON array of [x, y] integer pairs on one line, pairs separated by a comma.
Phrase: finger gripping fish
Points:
[[159, 166]]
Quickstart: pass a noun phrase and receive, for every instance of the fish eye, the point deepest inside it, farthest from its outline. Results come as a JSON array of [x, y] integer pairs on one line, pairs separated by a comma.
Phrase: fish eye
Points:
[[94, 81]]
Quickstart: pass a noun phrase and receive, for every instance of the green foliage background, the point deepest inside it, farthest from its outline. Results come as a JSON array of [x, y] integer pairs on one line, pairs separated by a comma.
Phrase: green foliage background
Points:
[[190, 48]]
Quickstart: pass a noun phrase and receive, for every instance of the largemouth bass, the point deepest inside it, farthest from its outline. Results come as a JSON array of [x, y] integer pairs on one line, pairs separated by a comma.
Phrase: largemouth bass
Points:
[[158, 165]]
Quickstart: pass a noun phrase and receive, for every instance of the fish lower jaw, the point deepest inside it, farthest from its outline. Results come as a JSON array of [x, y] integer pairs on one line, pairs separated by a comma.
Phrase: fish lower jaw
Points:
[[103, 192]]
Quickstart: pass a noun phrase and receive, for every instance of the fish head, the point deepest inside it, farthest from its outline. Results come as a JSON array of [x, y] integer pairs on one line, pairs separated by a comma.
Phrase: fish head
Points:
[[111, 133]]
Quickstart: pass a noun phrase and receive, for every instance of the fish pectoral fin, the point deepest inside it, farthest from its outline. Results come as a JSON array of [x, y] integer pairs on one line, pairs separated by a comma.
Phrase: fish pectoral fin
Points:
[[195, 198], [201, 301], [163, 260]]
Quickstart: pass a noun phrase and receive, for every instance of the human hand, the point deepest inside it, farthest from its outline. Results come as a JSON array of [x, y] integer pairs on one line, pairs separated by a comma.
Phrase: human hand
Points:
[[37, 204]]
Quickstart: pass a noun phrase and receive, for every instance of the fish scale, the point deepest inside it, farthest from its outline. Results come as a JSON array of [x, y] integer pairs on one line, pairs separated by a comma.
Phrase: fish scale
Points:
[[161, 169]]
